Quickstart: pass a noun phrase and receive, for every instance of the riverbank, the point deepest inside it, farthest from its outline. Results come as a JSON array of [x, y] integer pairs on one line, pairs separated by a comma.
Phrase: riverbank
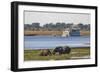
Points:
[[76, 53], [54, 33]]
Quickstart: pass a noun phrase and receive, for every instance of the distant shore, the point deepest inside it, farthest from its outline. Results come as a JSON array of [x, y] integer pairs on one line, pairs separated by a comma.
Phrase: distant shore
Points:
[[53, 33]]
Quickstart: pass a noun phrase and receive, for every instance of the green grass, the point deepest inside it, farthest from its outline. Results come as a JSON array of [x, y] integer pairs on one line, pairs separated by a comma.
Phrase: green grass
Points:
[[78, 53]]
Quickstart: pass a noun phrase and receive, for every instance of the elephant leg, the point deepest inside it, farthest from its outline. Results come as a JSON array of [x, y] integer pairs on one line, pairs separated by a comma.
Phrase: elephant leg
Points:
[[60, 53]]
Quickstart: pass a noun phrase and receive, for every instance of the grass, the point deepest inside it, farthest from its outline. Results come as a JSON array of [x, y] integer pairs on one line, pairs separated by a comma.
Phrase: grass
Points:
[[76, 53], [83, 33]]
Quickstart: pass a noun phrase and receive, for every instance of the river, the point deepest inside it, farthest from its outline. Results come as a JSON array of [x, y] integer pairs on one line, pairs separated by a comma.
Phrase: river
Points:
[[49, 42]]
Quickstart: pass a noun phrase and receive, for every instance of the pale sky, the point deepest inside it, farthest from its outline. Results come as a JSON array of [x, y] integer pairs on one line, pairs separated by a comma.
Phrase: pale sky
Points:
[[53, 17]]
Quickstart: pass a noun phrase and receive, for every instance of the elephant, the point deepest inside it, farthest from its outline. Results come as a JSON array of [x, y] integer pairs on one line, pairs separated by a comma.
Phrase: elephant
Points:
[[45, 52], [62, 50]]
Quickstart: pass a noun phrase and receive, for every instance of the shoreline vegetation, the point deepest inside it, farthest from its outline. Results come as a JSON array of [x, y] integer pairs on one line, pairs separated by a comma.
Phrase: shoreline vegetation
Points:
[[56, 29], [76, 53], [53, 33]]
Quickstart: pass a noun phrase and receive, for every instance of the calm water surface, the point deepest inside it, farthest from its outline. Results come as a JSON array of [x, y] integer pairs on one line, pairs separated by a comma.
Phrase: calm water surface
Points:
[[48, 42]]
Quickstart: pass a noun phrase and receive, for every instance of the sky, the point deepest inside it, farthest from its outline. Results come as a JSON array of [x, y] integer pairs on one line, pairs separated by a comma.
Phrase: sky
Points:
[[54, 17]]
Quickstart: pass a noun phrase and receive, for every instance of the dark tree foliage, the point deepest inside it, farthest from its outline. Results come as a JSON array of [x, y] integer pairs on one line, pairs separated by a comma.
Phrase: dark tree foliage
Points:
[[55, 27]]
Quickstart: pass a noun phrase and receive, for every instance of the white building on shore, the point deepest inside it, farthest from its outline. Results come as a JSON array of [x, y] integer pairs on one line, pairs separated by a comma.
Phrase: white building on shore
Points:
[[65, 33], [73, 31]]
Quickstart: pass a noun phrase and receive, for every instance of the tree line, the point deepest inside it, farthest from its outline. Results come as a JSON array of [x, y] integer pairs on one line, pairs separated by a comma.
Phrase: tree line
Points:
[[59, 26]]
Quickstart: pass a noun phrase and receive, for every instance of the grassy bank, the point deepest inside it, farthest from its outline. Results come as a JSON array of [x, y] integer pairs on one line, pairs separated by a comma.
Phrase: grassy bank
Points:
[[85, 33], [76, 53], [32, 33]]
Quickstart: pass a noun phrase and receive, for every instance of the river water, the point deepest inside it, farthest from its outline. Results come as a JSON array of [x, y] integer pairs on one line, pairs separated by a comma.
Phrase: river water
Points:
[[49, 42]]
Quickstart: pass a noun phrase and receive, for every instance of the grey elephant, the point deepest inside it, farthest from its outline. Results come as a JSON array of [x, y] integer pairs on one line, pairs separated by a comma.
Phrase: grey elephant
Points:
[[62, 50], [45, 52]]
